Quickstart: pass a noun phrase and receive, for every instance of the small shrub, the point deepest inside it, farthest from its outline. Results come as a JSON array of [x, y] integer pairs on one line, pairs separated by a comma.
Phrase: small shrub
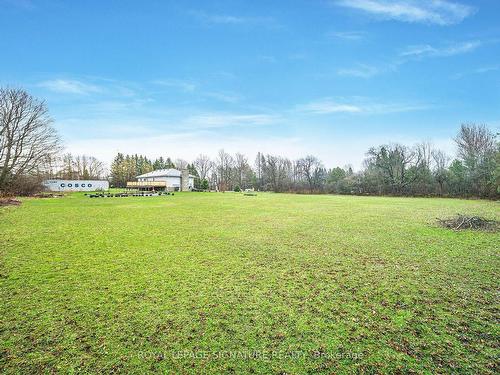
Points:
[[24, 186], [204, 184]]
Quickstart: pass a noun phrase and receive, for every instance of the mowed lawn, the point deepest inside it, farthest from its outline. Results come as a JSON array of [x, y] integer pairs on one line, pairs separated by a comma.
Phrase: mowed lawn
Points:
[[226, 283]]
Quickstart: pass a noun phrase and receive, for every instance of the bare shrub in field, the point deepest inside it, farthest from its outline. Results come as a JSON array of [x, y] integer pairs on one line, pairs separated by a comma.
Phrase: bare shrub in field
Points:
[[26, 186]]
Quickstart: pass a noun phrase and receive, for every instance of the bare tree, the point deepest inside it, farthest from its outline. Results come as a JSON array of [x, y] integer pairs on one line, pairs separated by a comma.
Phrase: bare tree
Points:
[[180, 164], [96, 168], [477, 150], [285, 172], [423, 153], [259, 170], [88, 167], [67, 170], [242, 170], [80, 167], [223, 167], [271, 172], [440, 169], [474, 143], [310, 168], [440, 160], [275, 172], [27, 139], [296, 173], [203, 165]]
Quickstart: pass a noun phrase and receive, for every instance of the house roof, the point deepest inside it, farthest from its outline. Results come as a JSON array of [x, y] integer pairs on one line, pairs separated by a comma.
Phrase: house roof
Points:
[[171, 172]]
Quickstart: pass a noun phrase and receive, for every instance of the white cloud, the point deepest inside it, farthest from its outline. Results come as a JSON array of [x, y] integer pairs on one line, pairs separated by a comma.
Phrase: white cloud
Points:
[[220, 120], [347, 35], [229, 19], [108, 128], [181, 135], [357, 106], [419, 51], [111, 107], [360, 71], [326, 106], [183, 85], [224, 18], [458, 49], [223, 97], [426, 50], [382, 109], [411, 52], [189, 86], [440, 12], [67, 86], [481, 70], [487, 69]]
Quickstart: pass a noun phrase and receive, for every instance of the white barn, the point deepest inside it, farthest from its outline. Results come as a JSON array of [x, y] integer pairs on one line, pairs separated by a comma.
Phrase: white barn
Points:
[[169, 179], [76, 185]]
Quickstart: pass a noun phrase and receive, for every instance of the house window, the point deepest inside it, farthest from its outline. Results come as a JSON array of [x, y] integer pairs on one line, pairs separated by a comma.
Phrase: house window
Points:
[[76, 185]]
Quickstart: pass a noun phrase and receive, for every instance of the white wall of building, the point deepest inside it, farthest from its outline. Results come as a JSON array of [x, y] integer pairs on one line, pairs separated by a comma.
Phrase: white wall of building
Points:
[[76, 185], [172, 181]]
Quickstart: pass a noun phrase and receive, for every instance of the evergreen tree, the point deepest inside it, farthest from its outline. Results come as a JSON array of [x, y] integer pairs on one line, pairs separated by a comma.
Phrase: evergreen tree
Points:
[[204, 184], [169, 163], [117, 171]]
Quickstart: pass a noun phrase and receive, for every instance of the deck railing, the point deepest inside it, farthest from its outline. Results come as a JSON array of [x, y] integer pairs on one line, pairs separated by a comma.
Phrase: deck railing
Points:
[[146, 184]]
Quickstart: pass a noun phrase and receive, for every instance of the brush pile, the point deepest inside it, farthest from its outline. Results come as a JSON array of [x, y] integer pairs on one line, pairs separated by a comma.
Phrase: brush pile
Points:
[[9, 202], [48, 195], [463, 222]]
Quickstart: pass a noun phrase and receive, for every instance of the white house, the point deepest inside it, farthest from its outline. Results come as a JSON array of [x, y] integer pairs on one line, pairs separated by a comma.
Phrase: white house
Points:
[[168, 179], [76, 185]]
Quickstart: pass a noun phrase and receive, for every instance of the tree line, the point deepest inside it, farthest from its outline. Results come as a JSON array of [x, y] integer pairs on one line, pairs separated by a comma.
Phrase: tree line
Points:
[[30, 151], [389, 169]]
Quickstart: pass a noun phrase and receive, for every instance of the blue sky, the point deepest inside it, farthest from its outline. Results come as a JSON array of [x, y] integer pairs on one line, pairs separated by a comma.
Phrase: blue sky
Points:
[[327, 77]]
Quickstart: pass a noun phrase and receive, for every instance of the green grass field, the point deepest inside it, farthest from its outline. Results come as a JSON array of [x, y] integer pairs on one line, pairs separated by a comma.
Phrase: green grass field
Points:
[[225, 283]]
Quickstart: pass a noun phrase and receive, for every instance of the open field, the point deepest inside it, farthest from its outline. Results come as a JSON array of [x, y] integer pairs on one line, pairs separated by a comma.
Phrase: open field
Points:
[[302, 284]]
